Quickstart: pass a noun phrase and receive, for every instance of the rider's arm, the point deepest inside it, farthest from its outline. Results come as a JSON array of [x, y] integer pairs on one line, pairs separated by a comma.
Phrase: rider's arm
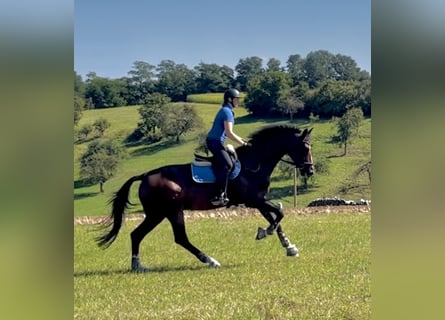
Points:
[[228, 128]]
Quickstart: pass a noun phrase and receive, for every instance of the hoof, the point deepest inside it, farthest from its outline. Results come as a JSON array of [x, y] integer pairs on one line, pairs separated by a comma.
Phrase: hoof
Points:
[[262, 233], [137, 267], [140, 269], [270, 231], [292, 251], [213, 263]]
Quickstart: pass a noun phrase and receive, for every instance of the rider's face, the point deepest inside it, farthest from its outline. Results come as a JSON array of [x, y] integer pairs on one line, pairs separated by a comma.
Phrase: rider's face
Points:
[[235, 102]]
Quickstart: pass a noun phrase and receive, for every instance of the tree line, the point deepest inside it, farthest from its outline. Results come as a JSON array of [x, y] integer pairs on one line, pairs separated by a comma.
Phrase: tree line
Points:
[[322, 84]]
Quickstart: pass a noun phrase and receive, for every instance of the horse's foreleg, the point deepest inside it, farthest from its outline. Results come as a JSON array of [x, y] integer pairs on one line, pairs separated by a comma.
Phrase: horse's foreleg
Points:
[[291, 249], [273, 214], [178, 225], [268, 210], [278, 217]]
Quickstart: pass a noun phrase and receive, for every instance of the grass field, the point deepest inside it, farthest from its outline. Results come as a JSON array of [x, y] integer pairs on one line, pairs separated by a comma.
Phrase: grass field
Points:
[[330, 279], [89, 201], [212, 98]]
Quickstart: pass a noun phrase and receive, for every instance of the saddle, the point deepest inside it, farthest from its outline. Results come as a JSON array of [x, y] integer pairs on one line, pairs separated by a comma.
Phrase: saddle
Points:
[[202, 171]]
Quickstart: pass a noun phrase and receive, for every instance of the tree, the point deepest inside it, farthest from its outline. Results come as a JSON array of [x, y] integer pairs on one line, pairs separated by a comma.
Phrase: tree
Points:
[[318, 67], [178, 120], [104, 92], [175, 80], [347, 126], [363, 95], [247, 69], [273, 65], [100, 161], [79, 85], [141, 81], [322, 65], [345, 68], [294, 67], [289, 103], [213, 78], [100, 125], [202, 144], [333, 97], [79, 106], [151, 114], [263, 92]]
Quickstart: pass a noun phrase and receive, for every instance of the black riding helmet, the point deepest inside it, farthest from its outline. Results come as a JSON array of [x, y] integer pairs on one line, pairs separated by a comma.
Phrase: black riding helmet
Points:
[[231, 93]]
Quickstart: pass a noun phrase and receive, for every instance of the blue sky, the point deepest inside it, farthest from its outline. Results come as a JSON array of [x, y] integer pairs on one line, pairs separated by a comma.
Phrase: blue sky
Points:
[[109, 36]]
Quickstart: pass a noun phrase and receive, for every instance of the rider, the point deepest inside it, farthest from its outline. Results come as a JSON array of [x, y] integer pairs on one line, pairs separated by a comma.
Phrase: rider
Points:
[[221, 129]]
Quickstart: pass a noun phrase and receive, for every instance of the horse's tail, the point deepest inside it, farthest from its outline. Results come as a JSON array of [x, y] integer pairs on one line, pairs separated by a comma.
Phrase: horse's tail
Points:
[[120, 203]]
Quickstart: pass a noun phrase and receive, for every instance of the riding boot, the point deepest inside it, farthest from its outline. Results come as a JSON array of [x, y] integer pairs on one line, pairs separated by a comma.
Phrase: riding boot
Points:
[[221, 198]]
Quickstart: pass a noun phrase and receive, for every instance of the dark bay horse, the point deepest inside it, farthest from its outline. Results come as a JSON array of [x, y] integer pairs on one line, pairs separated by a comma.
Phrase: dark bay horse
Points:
[[165, 192]]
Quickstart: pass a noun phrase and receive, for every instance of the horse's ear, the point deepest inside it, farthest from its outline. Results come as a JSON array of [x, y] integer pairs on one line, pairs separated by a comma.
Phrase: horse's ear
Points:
[[306, 133]]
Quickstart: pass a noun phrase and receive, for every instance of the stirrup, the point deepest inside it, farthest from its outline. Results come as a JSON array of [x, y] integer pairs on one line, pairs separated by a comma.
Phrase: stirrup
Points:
[[220, 200]]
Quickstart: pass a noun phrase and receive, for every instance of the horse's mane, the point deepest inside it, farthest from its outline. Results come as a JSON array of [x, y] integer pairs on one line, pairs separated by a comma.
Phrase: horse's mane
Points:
[[273, 131]]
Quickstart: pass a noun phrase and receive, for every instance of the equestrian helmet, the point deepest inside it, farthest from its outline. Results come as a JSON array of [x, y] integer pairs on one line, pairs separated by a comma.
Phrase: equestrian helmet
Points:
[[231, 93]]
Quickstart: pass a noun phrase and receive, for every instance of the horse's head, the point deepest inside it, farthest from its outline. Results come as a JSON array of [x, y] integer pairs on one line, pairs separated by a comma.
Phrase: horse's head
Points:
[[300, 153], [280, 140]]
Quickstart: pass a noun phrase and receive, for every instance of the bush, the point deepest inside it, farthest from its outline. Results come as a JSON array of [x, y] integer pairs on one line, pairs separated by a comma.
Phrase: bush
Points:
[[321, 166], [100, 125], [85, 131], [100, 161]]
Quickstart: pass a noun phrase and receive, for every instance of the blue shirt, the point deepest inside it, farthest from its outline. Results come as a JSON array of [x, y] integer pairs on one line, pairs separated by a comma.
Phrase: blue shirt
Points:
[[217, 131]]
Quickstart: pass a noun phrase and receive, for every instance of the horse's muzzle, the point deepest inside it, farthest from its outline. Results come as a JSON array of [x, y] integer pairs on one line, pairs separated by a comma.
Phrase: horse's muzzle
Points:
[[307, 170]]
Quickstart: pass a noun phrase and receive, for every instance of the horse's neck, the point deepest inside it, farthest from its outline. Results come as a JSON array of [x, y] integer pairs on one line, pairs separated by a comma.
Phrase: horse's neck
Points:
[[269, 163], [268, 160]]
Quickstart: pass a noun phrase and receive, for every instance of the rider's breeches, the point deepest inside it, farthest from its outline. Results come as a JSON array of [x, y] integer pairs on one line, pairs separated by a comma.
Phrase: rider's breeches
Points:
[[222, 162]]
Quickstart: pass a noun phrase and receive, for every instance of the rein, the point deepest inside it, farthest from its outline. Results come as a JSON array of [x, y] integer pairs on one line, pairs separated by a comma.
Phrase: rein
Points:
[[293, 163], [285, 161], [288, 162]]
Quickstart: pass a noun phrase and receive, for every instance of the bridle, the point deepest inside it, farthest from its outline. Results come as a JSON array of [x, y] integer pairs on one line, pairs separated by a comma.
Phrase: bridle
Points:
[[308, 161]]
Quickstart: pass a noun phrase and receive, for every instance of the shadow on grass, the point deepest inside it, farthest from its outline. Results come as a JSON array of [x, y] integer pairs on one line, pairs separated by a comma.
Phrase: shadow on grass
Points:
[[335, 156], [160, 269], [84, 195], [86, 140], [252, 119], [301, 123], [154, 148], [285, 191], [81, 183]]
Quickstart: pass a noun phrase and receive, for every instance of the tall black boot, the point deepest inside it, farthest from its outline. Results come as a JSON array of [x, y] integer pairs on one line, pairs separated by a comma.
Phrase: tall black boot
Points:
[[221, 197]]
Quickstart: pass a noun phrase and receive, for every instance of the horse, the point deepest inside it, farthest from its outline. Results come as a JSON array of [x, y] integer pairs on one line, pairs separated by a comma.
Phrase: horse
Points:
[[167, 191]]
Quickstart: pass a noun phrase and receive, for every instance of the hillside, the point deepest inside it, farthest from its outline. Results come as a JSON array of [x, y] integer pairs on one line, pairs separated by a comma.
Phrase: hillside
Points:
[[88, 201]]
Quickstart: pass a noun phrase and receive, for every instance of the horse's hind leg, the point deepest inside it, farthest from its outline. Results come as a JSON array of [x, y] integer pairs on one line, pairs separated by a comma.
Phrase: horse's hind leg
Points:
[[178, 225], [149, 223]]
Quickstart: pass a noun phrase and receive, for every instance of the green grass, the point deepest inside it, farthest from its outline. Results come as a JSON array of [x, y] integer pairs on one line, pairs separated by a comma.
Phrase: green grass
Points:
[[330, 279], [211, 98], [89, 201]]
